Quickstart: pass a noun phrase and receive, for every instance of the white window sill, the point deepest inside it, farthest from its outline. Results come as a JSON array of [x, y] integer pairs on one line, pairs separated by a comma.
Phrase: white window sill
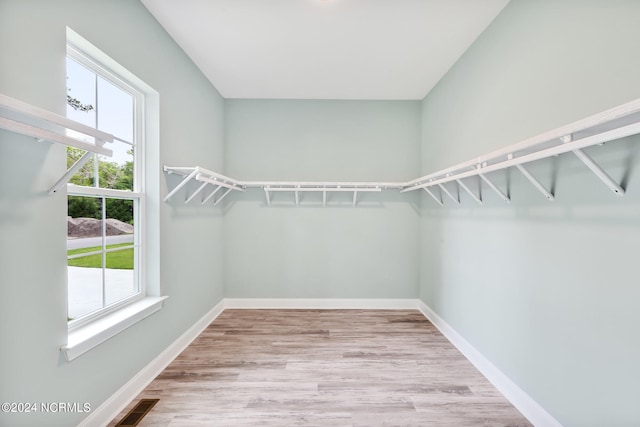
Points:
[[87, 337]]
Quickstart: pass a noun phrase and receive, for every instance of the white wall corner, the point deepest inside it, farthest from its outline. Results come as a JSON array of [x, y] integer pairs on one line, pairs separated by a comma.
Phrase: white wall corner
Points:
[[531, 409], [110, 409]]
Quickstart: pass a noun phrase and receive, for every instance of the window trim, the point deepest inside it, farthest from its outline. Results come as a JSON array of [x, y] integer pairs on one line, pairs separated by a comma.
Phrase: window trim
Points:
[[90, 331], [84, 338]]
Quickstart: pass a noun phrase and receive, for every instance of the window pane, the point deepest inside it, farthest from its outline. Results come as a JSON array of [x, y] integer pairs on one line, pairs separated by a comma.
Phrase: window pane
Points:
[[120, 219], [117, 172], [119, 273], [84, 253], [115, 110], [81, 91]]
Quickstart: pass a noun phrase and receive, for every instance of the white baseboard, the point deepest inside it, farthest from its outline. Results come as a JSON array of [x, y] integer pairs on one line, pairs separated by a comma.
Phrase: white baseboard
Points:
[[535, 413], [110, 409], [320, 303]]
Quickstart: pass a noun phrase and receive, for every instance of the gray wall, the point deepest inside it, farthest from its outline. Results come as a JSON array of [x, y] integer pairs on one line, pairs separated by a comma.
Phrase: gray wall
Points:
[[32, 225], [310, 251], [546, 291]]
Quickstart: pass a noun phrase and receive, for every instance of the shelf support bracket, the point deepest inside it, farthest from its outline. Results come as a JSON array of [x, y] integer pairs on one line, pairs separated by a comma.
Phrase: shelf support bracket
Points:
[[468, 190], [536, 183], [213, 193], [355, 198], [599, 172], [494, 188], [181, 184], [195, 193], [267, 195], [297, 197], [324, 198], [434, 196], [70, 172], [448, 193], [223, 196]]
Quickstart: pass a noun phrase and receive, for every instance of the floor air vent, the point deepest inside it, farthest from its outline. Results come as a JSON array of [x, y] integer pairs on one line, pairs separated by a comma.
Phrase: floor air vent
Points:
[[137, 413]]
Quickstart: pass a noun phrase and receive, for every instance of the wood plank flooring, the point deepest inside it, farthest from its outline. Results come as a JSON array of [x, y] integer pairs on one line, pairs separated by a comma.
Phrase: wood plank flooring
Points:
[[324, 368]]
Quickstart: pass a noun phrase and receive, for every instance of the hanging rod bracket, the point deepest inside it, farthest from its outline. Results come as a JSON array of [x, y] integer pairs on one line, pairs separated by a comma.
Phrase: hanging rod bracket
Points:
[[210, 196], [182, 183], [495, 188], [437, 199], [195, 193], [448, 193], [223, 196], [267, 195], [536, 183], [599, 172], [70, 172], [468, 190]]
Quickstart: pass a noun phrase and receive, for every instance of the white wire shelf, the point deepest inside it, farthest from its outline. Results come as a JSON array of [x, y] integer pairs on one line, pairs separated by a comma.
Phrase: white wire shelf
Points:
[[43, 125], [218, 181], [26, 119], [321, 187], [206, 178], [610, 125], [616, 123]]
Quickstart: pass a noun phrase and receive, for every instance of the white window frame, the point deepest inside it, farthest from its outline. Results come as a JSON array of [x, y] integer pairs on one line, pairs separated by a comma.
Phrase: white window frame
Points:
[[137, 195], [94, 328]]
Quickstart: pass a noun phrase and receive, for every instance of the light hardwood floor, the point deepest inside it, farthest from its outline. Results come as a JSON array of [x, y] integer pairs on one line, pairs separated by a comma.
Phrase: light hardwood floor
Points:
[[324, 368]]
